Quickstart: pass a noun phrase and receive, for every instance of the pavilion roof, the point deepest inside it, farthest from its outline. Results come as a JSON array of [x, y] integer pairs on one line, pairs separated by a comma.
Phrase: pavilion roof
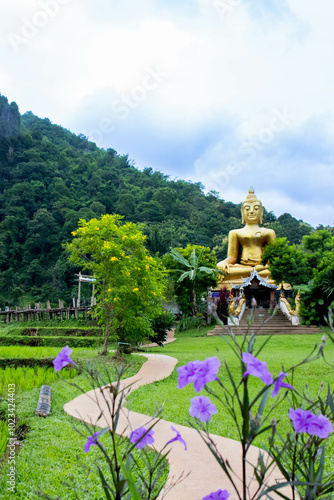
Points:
[[254, 275]]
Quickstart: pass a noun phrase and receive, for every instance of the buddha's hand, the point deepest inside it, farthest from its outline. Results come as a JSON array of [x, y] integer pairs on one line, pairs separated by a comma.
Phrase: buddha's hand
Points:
[[223, 266]]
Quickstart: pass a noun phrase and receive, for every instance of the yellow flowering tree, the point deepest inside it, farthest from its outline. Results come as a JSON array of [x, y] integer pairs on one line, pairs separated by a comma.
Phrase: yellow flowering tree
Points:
[[130, 283]]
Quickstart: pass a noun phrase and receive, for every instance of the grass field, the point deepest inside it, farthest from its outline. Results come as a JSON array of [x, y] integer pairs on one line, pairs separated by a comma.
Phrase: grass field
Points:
[[281, 353], [48, 460]]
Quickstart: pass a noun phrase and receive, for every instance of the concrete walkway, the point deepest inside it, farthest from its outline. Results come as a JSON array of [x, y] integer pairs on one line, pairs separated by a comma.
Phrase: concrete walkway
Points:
[[205, 475]]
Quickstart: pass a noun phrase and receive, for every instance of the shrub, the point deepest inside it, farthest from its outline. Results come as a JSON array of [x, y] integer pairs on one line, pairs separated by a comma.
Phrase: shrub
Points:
[[160, 325], [50, 341], [189, 323]]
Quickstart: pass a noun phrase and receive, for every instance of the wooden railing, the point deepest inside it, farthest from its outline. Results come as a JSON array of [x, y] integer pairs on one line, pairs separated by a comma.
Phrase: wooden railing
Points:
[[38, 313]]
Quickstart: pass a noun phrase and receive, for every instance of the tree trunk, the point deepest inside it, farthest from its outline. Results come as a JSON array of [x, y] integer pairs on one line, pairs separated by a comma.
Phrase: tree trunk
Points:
[[194, 300], [106, 333], [105, 342]]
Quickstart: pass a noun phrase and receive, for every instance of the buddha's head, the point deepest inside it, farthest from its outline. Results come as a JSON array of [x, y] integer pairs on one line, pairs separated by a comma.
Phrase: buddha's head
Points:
[[251, 209]]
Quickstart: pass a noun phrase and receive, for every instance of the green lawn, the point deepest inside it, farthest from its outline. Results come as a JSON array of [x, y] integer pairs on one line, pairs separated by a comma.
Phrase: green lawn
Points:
[[194, 332], [47, 460], [281, 351]]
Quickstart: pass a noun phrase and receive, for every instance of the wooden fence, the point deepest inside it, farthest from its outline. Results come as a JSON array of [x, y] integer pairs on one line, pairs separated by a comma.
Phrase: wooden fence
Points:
[[38, 313]]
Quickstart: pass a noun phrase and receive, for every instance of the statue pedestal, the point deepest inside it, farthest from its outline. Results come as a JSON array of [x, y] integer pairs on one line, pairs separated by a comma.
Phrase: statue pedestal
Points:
[[262, 289]]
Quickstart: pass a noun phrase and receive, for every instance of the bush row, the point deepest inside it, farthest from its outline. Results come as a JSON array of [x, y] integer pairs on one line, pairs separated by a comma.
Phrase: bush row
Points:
[[16, 362], [45, 331], [51, 341]]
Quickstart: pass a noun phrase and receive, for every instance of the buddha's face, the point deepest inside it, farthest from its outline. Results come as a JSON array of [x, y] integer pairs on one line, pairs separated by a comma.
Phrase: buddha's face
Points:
[[252, 212]]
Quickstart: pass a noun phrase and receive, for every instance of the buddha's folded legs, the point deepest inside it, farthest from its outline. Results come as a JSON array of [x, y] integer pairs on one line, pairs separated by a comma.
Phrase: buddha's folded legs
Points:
[[241, 271]]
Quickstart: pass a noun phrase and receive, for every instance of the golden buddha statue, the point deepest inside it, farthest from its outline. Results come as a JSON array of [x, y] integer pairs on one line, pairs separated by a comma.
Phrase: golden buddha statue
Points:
[[251, 238]]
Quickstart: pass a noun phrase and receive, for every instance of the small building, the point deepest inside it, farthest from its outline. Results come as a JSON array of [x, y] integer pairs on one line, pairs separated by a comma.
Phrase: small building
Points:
[[257, 287]]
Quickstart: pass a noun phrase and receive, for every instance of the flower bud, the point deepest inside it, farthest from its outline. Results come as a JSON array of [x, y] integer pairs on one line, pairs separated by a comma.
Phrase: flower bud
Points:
[[323, 341], [273, 425]]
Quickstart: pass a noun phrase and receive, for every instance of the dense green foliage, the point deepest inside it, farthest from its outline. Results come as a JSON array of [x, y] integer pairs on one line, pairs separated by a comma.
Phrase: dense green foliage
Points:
[[287, 262], [309, 267], [51, 178]]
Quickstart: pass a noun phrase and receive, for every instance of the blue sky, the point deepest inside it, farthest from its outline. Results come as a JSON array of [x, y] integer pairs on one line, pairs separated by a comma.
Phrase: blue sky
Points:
[[229, 93]]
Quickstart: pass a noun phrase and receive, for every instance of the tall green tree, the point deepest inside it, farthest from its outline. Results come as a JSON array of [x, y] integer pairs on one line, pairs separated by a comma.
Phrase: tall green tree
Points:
[[287, 263], [130, 282]]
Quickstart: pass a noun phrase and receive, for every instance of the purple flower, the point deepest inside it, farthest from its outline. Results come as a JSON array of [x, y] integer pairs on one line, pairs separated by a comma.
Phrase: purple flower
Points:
[[199, 372], [140, 437], [278, 384], [257, 368], [217, 495], [315, 425], [178, 437], [202, 408], [91, 441], [187, 374], [63, 359], [322, 427], [207, 371]]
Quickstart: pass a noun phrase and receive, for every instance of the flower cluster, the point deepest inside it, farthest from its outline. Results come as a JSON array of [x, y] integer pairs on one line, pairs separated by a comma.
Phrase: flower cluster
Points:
[[314, 425], [198, 372]]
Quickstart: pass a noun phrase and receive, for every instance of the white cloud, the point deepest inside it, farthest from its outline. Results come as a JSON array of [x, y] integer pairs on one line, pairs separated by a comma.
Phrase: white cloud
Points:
[[116, 58], [227, 74]]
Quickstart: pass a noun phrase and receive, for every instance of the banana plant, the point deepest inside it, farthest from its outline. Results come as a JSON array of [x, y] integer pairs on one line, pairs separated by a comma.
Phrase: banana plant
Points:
[[194, 271]]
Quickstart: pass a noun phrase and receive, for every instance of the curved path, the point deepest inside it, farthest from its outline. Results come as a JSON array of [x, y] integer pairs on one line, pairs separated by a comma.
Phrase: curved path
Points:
[[205, 475]]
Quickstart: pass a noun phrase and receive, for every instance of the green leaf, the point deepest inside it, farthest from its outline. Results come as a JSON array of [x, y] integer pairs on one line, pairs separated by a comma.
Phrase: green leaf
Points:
[[193, 259], [263, 403], [179, 258], [245, 413], [192, 274], [207, 270], [330, 401], [105, 485], [126, 469], [185, 275]]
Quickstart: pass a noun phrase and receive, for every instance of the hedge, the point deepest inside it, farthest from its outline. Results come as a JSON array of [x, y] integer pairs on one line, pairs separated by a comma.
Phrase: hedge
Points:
[[48, 331], [25, 362], [51, 341]]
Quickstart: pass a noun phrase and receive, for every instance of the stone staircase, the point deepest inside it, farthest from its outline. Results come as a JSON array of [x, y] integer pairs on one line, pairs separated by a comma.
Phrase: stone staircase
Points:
[[277, 325]]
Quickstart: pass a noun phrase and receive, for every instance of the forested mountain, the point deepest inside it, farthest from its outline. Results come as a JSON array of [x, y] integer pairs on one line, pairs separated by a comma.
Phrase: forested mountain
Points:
[[50, 178]]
